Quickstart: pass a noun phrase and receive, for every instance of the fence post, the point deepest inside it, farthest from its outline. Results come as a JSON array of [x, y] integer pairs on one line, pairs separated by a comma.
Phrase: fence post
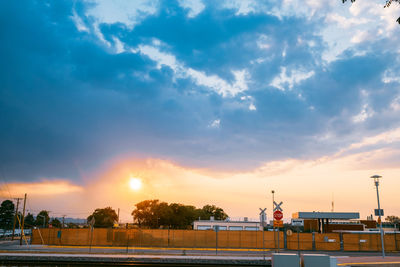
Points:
[[313, 240], [228, 239], [140, 237], [284, 239], [395, 241], [168, 238], [240, 239], [341, 241], [127, 243]]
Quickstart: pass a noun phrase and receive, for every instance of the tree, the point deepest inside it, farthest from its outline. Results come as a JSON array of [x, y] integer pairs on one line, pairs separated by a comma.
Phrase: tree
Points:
[[388, 3], [103, 217], [55, 223], [7, 214], [72, 225], [182, 215], [29, 221], [43, 216], [211, 210], [156, 214], [394, 220], [145, 213]]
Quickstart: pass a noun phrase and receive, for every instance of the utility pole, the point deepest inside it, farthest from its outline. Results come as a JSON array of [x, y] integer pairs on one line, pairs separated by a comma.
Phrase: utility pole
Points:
[[15, 218], [376, 182], [23, 221], [118, 217], [62, 226], [273, 227]]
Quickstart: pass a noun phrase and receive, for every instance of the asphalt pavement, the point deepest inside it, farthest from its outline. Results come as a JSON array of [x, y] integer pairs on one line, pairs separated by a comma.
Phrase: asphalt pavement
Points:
[[182, 255]]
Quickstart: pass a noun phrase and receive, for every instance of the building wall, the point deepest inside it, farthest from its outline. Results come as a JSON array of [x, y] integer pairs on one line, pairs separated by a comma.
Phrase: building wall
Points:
[[344, 227], [227, 225]]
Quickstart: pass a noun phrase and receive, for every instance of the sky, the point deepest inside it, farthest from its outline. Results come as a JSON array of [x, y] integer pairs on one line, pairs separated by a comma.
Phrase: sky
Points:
[[206, 102]]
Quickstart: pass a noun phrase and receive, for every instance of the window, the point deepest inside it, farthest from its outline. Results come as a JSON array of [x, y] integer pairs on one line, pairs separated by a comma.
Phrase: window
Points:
[[235, 228], [251, 228], [223, 228], [203, 227]]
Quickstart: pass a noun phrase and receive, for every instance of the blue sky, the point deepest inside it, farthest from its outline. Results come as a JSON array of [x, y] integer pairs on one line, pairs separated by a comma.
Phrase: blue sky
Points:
[[216, 85]]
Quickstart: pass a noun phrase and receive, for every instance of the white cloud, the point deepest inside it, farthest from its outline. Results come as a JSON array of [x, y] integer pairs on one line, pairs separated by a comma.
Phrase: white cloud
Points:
[[215, 123], [263, 42], [360, 37], [295, 77], [252, 107], [161, 58], [195, 7], [395, 104], [362, 20], [345, 22], [213, 82], [390, 76], [119, 46], [80, 25], [219, 85], [127, 12], [364, 114], [243, 7]]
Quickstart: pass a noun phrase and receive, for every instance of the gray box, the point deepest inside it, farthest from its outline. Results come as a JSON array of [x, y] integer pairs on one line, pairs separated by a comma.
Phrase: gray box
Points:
[[285, 260], [319, 260]]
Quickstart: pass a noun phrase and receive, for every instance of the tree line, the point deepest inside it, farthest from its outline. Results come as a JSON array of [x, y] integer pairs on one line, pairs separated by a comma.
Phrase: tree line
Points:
[[148, 214], [42, 219], [155, 214]]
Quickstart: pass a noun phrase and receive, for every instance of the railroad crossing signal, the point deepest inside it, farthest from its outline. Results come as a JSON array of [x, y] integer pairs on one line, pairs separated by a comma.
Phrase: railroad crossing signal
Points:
[[278, 206], [263, 217], [262, 211], [278, 215]]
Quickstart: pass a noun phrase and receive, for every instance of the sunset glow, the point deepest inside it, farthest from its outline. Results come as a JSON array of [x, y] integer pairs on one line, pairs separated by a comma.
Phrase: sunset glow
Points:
[[135, 184], [111, 103]]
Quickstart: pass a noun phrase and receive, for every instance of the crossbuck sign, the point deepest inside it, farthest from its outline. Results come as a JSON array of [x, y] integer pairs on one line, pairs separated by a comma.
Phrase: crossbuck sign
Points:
[[278, 206]]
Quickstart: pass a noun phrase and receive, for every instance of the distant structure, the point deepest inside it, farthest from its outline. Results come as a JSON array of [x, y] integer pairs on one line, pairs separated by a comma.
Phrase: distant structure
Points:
[[227, 225], [326, 222]]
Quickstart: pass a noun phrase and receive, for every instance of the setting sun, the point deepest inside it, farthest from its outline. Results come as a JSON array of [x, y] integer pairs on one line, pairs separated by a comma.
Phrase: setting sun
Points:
[[135, 183]]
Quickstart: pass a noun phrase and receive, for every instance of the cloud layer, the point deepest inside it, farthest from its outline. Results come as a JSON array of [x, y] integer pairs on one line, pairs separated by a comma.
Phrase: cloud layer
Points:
[[219, 86]]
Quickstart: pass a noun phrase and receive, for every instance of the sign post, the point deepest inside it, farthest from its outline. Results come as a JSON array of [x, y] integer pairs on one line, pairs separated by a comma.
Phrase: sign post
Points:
[[278, 215], [91, 223], [262, 217], [216, 229]]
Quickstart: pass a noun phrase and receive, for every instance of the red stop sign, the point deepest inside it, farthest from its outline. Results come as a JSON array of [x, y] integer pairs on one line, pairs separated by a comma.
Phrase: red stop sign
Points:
[[278, 215]]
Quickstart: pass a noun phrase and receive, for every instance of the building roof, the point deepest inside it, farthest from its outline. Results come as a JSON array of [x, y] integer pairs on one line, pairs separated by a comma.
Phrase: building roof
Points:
[[220, 221], [326, 215]]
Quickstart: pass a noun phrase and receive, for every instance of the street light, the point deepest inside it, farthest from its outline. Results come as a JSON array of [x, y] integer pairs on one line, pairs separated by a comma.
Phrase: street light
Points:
[[273, 192], [273, 227], [376, 181]]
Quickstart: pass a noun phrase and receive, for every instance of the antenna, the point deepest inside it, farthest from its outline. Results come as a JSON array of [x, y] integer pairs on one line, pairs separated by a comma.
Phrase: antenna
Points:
[[333, 204]]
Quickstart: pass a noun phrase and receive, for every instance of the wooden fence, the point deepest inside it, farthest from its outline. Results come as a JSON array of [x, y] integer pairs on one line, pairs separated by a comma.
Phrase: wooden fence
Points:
[[208, 239]]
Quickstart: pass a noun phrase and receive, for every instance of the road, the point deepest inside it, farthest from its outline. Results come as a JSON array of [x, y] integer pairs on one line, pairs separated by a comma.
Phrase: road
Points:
[[182, 255]]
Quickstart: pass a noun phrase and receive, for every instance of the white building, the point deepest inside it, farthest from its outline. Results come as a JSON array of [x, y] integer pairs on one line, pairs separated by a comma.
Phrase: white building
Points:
[[227, 225]]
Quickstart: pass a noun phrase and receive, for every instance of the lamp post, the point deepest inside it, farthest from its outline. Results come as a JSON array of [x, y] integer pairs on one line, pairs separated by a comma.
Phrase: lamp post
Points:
[[273, 227], [376, 181]]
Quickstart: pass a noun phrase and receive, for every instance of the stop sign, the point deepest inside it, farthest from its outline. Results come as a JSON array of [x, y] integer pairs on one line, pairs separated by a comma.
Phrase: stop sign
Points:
[[278, 215]]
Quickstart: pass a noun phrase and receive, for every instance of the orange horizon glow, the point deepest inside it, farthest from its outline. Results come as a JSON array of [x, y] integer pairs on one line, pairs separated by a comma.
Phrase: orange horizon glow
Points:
[[302, 185]]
